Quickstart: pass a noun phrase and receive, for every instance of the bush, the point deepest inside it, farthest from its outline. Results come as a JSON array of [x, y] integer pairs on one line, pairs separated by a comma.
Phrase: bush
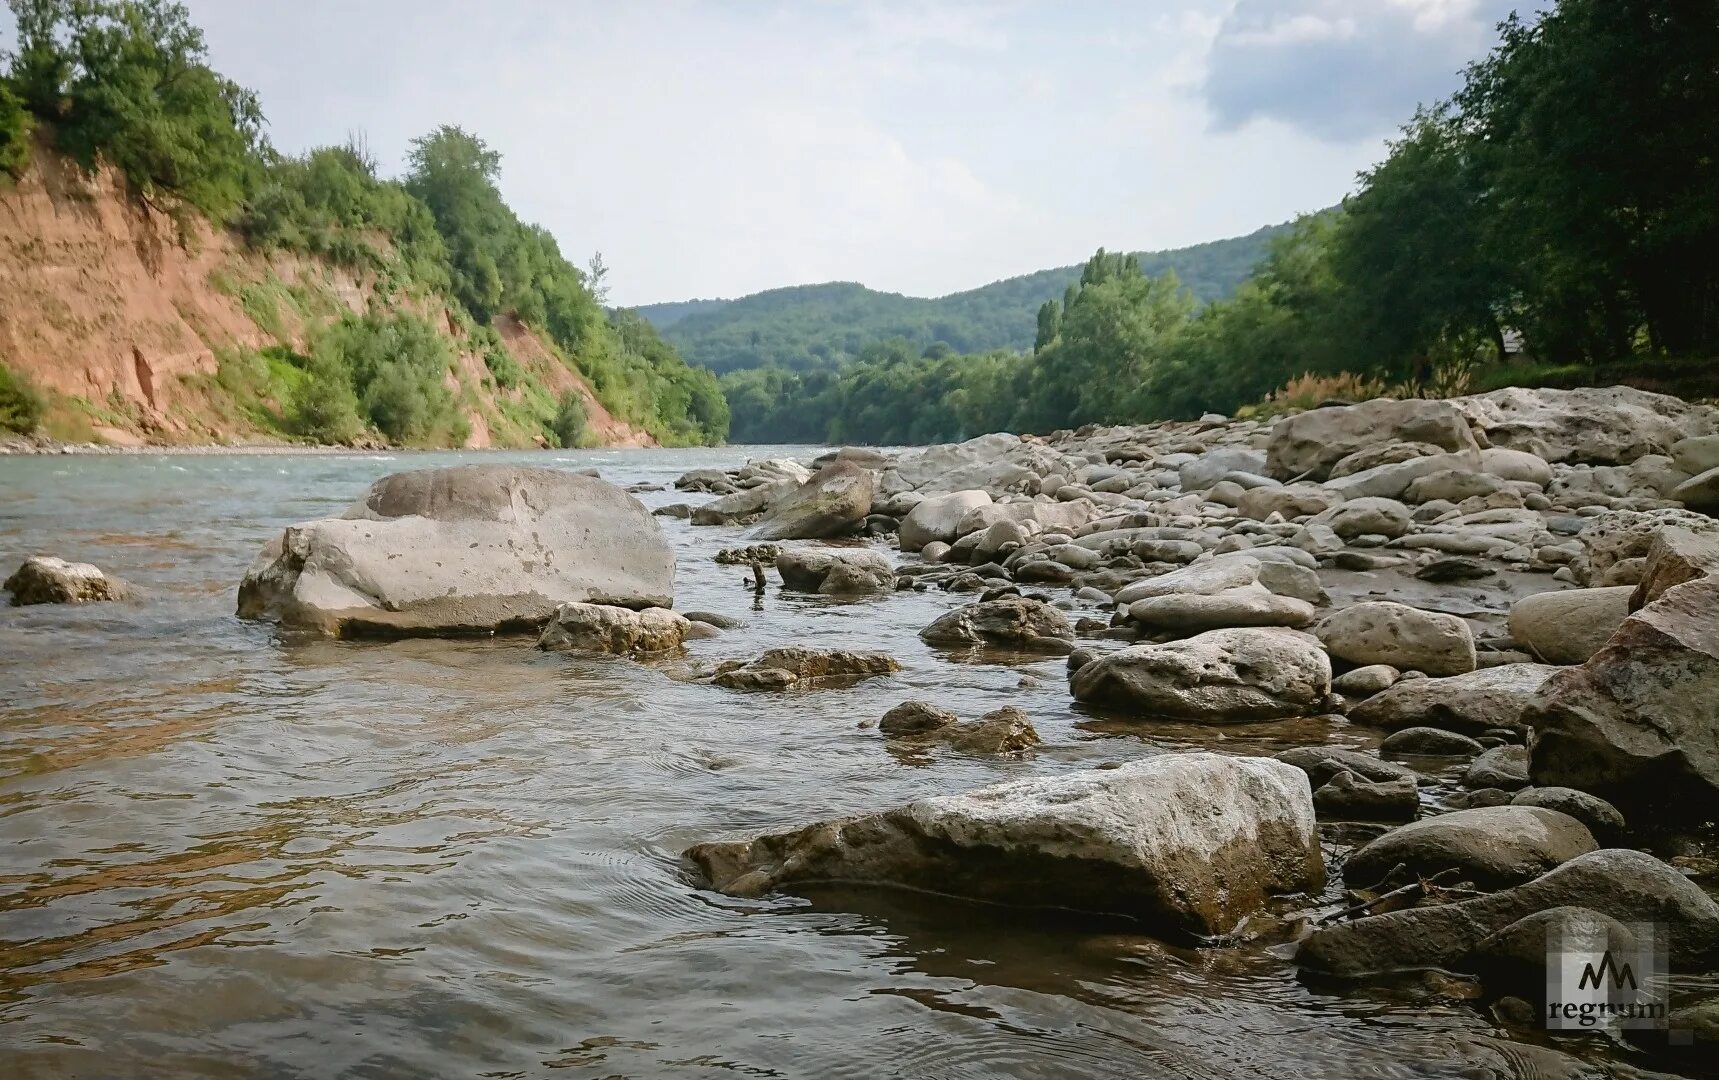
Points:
[[324, 408], [506, 370], [570, 426], [14, 134], [20, 405]]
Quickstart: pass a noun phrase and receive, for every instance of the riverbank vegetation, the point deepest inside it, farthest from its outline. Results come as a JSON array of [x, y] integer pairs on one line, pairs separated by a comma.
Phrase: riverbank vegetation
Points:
[[1552, 222], [126, 84]]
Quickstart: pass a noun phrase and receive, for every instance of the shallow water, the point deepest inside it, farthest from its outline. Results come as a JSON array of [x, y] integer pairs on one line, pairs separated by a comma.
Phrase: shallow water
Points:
[[224, 854]]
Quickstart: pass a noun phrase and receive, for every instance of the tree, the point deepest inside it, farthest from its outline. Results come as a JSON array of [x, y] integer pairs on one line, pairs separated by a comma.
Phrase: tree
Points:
[[126, 81], [15, 125]]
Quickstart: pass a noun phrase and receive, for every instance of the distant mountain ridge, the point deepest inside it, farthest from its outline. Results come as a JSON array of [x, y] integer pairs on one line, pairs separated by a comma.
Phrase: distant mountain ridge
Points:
[[806, 327]]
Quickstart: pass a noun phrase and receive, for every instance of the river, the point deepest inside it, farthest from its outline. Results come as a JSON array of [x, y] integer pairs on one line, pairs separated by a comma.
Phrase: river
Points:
[[225, 854]]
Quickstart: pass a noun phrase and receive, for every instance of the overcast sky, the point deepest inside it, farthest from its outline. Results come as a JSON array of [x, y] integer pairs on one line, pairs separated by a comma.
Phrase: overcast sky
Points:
[[715, 149]]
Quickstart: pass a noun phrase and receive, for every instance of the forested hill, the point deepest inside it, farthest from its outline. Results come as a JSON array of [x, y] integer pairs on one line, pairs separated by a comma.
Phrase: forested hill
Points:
[[808, 327]]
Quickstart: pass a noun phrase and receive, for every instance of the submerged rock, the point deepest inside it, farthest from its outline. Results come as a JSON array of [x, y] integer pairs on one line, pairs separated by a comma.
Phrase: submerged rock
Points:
[[1012, 621], [796, 666], [1221, 675], [604, 629], [915, 718], [835, 573], [44, 579], [1630, 886], [470, 549], [1191, 842]]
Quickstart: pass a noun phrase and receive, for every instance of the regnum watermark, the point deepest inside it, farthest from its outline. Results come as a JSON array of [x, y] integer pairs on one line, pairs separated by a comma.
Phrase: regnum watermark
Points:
[[1599, 977]]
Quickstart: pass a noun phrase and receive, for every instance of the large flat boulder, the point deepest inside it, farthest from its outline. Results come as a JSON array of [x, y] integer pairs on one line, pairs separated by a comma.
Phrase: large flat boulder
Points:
[[834, 502], [1471, 703], [1190, 842], [1310, 443], [1609, 425], [1253, 673], [1638, 724], [473, 549]]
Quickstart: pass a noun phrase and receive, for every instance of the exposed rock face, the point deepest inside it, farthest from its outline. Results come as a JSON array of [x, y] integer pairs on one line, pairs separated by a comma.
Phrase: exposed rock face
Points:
[[796, 666], [835, 573], [1221, 675], [1011, 621], [1191, 842], [604, 629], [1570, 626], [1637, 724], [1470, 704], [1630, 886], [938, 517], [832, 503], [44, 579], [471, 549], [1382, 632], [1312, 442], [1611, 425]]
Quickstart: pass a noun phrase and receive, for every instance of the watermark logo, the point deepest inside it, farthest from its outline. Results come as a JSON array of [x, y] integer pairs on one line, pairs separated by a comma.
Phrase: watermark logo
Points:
[[1597, 977]]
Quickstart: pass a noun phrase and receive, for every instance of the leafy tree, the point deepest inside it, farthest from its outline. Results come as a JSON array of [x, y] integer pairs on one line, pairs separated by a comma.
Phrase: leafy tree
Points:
[[126, 81], [15, 125]]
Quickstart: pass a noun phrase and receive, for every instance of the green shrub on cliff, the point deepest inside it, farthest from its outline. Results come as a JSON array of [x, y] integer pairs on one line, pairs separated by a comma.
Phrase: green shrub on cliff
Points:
[[15, 127], [571, 426], [21, 406]]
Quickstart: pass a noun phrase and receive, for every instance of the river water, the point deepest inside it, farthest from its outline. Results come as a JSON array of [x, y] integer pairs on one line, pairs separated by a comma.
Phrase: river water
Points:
[[224, 854]]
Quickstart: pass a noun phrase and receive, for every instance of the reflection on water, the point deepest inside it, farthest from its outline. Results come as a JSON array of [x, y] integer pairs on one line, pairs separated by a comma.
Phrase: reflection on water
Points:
[[225, 854]]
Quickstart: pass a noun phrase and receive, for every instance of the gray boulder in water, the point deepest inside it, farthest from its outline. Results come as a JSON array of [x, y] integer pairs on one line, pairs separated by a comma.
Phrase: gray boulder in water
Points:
[[467, 550], [832, 503], [1189, 841], [44, 579]]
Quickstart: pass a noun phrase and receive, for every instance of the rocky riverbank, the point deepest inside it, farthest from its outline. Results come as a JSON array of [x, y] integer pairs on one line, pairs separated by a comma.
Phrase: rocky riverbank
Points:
[[1500, 612], [1515, 591]]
